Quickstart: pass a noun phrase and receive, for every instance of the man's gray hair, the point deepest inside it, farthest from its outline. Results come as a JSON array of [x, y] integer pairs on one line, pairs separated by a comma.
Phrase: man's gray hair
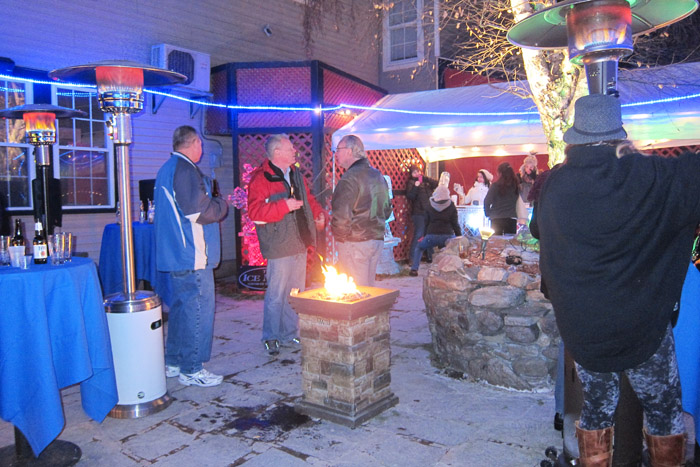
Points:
[[183, 136], [355, 145], [273, 142]]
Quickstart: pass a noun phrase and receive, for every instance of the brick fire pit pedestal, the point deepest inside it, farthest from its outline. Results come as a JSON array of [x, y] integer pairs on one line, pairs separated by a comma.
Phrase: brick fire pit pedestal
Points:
[[345, 355]]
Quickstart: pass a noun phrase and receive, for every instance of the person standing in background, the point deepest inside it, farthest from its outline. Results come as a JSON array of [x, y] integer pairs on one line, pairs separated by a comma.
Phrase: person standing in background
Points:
[[418, 191], [527, 174], [501, 199], [286, 217], [476, 194], [361, 207], [188, 247]]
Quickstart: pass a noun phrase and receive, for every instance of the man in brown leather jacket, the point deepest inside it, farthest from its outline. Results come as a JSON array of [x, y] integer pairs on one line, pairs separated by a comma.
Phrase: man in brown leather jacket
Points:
[[361, 207]]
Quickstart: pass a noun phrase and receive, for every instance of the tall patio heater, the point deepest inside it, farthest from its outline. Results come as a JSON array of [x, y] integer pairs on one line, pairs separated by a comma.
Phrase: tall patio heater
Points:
[[40, 128], [134, 316], [597, 34]]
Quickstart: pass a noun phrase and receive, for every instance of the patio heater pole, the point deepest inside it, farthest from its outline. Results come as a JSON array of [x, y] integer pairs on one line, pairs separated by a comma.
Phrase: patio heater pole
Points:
[[134, 316]]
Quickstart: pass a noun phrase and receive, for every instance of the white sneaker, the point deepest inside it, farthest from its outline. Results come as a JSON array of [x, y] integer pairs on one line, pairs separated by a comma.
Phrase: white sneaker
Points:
[[172, 371], [202, 378]]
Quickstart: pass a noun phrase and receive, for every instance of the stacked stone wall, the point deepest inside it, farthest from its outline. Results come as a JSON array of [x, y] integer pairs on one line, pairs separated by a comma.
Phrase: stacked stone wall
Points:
[[491, 322]]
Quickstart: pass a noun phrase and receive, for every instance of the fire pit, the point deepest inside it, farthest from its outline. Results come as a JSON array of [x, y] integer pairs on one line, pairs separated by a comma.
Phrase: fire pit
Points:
[[346, 355]]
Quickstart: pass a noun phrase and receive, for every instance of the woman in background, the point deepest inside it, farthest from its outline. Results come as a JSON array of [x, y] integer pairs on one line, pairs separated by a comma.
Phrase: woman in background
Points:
[[476, 194], [442, 223], [500, 201]]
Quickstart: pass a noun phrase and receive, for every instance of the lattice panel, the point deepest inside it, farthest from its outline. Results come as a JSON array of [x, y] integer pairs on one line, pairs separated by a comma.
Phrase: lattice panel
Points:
[[388, 162], [338, 89], [274, 86], [251, 153], [675, 152], [284, 119], [217, 118]]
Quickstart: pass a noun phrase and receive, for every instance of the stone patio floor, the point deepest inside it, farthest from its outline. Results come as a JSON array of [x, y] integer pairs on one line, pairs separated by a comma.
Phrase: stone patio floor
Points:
[[248, 420]]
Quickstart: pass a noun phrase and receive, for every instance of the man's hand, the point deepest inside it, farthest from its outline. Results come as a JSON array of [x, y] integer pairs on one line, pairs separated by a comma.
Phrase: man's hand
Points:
[[320, 221], [294, 204], [417, 183]]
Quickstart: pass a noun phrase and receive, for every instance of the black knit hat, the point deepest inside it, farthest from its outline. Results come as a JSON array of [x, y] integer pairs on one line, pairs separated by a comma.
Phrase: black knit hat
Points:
[[597, 117]]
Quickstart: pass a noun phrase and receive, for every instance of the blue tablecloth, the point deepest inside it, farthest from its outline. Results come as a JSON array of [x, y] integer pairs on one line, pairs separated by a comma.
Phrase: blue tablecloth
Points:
[[53, 333], [687, 335], [144, 258]]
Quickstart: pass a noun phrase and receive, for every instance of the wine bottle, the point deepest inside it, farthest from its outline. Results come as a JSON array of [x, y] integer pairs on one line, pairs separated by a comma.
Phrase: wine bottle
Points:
[[41, 250], [17, 238]]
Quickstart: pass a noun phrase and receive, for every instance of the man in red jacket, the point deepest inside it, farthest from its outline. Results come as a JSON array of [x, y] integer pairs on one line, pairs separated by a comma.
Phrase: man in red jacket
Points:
[[287, 216]]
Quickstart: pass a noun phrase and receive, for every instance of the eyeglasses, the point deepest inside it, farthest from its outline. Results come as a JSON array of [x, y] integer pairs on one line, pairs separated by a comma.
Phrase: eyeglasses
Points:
[[339, 148]]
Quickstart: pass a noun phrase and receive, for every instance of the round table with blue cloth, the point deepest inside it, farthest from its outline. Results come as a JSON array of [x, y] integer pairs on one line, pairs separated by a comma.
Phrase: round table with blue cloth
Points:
[[144, 259], [687, 336], [53, 334]]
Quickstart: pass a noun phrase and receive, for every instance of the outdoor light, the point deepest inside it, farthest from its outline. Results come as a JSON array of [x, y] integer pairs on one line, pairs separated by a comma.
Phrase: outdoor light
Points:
[[486, 233], [134, 317], [597, 32], [40, 130]]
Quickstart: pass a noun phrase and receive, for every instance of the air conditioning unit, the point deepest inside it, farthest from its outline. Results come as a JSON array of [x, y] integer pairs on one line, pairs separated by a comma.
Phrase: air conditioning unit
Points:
[[194, 65]]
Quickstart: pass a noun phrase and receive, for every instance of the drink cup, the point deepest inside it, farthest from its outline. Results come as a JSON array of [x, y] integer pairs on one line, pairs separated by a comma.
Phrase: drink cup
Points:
[[16, 255], [26, 261], [56, 248], [67, 246], [4, 250]]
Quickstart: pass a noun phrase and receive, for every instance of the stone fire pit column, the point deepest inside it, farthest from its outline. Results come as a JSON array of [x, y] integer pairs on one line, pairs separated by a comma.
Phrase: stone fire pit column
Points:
[[346, 356]]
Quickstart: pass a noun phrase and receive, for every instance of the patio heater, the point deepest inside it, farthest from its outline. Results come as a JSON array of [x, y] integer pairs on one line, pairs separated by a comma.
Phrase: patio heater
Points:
[[597, 32], [134, 316], [40, 128]]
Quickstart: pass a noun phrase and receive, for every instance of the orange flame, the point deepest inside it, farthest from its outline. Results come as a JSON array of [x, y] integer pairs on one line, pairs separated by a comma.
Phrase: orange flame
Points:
[[115, 78], [338, 285], [39, 121]]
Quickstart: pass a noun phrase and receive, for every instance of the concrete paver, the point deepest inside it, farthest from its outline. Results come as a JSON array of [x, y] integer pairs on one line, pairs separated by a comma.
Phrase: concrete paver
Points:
[[439, 420]]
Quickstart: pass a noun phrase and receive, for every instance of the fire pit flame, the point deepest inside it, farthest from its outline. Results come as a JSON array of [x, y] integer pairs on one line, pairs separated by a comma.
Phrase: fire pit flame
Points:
[[338, 286]]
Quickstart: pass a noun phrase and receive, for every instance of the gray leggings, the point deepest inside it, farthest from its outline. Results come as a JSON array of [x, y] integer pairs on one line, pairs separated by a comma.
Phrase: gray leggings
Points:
[[657, 387]]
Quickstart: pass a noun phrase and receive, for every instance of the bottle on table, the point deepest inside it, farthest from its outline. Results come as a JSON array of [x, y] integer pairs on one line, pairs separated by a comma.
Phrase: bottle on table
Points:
[[18, 237], [41, 249], [151, 211], [142, 213]]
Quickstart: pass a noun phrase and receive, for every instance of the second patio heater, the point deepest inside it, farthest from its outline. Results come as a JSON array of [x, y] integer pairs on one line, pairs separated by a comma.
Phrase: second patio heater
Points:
[[134, 316], [597, 33], [40, 128]]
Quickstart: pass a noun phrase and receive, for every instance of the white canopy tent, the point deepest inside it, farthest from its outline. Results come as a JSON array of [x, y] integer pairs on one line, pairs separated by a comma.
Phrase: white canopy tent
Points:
[[661, 108]]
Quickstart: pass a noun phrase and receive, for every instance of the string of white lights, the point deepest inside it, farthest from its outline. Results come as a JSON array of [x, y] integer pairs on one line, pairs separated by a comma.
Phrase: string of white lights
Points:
[[321, 109]]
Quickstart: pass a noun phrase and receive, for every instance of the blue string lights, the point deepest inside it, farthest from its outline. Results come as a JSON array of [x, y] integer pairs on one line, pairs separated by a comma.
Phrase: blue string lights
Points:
[[320, 109]]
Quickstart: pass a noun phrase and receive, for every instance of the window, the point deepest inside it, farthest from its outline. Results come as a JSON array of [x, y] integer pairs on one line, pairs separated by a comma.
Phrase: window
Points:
[[16, 161], [403, 34], [82, 155]]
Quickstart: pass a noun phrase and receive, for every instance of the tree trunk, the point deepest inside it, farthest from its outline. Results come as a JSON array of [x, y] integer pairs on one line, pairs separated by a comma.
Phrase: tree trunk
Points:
[[555, 84]]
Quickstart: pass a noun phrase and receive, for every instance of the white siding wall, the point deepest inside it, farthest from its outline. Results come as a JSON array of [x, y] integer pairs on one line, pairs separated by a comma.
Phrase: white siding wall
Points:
[[45, 34]]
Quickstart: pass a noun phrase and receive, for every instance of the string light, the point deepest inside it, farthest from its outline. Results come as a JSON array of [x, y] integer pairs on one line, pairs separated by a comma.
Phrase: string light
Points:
[[334, 108]]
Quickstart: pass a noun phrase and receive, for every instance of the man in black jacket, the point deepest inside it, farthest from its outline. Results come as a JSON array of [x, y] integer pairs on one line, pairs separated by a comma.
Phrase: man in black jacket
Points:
[[615, 238], [361, 207], [418, 191]]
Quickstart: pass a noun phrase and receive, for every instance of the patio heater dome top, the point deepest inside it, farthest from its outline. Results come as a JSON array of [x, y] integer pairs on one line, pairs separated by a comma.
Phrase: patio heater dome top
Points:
[[59, 112], [546, 29], [152, 76]]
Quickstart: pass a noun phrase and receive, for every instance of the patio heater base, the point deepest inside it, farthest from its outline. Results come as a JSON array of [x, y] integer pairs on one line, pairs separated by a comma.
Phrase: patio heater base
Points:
[[136, 332]]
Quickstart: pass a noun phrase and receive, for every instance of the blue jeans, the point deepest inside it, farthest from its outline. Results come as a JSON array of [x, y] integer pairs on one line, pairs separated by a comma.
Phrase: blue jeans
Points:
[[428, 242], [280, 321], [191, 320], [359, 260], [418, 231]]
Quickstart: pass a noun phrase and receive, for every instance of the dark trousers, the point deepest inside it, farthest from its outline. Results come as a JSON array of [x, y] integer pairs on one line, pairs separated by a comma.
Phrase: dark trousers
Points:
[[656, 384], [504, 226]]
